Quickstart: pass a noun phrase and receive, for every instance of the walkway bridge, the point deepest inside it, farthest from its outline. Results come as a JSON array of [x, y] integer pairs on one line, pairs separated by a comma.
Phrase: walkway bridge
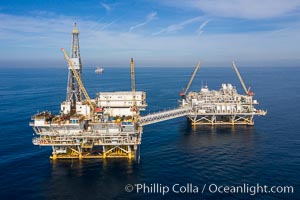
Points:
[[164, 115]]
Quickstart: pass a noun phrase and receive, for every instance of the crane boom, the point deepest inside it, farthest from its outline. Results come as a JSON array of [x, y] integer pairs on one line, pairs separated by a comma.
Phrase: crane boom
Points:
[[133, 84], [192, 78], [240, 77], [78, 79]]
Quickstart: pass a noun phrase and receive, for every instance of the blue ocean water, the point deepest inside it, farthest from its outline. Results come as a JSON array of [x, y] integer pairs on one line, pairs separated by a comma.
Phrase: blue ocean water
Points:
[[171, 152]]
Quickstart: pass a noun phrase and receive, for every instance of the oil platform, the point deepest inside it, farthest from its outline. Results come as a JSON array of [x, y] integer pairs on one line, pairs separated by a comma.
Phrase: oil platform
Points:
[[226, 106], [110, 125], [91, 128]]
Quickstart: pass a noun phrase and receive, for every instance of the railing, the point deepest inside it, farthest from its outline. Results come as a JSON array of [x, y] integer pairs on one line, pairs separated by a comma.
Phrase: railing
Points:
[[164, 115]]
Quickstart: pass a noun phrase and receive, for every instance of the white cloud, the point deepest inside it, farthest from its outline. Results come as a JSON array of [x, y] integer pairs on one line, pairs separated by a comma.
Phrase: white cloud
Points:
[[179, 26], [248, 9], [106, 6], [40, 38], [149, 18], [201, 27], [109, 24]]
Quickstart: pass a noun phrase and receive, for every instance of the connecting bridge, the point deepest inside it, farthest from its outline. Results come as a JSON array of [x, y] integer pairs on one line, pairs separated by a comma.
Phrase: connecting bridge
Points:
[[164, 115]]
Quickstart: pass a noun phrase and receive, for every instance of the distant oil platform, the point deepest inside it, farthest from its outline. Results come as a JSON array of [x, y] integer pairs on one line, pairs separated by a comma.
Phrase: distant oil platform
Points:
[[99, 70], [110, 125]]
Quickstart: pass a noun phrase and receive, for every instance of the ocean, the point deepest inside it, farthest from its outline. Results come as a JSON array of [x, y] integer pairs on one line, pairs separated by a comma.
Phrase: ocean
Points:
[[173, 154]]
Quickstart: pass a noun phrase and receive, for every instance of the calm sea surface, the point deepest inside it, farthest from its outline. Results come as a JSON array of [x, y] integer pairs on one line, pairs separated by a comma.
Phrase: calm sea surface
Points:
[[171, 152]]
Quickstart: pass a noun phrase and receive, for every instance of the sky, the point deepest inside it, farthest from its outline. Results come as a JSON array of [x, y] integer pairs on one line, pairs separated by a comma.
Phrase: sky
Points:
[[156, 33]]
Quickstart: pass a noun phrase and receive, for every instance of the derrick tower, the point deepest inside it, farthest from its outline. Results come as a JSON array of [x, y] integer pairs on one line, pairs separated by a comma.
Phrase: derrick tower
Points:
[[74, 94]]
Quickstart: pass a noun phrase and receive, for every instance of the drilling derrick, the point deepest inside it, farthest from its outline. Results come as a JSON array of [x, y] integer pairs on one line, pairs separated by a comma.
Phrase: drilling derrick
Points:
[[74, 93]]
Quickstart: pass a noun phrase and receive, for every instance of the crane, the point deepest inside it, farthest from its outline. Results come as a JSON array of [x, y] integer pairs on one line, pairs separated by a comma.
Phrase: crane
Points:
[[134, 104], [248, 92], [78, 79], [183, 93]]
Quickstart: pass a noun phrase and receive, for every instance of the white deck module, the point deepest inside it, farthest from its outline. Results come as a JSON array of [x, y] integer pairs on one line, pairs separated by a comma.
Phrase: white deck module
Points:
[[121, 99]]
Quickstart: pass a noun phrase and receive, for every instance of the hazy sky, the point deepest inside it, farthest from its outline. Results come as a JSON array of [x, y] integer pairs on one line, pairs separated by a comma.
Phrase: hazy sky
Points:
[[171, 33]]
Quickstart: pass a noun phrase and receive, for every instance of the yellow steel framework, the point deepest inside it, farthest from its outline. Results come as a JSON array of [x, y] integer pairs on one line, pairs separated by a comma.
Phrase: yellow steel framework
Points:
[[108, 152]]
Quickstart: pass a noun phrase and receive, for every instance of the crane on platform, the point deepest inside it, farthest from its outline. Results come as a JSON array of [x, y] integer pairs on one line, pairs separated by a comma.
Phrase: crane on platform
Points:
[[248, 92], [183, 93], [78, 79], [134, 104]]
